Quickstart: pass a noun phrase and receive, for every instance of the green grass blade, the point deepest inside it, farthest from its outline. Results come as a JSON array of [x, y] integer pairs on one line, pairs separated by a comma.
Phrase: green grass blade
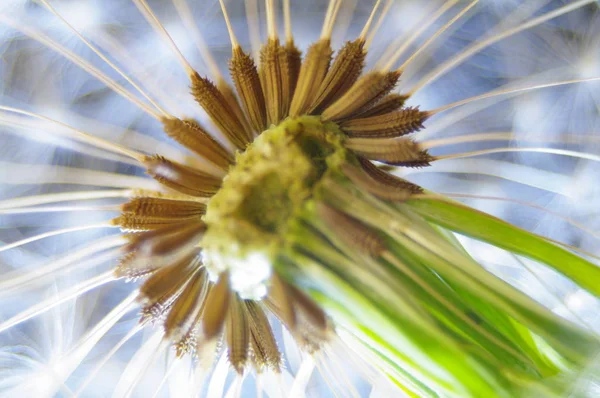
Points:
[[487, 228]]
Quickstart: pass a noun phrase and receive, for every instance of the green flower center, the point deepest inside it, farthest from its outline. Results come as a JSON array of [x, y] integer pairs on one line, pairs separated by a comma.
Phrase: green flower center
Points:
[[269, 184]]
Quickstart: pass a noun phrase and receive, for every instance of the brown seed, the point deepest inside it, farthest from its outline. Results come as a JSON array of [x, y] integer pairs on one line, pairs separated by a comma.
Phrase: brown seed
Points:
[[301, 316], [187, 344], [160, 247], [310, 341], [247, 82], [190, 134], [387, 179], [311, 310], [312, 72], [215, 310], [351, 231], [168, 243], [389, 125], [364, 181], [220, 111], [344, 72], [280, 302], [291, 62], [187, 307], [366, 92], [193, 341], [126, 268], [167, 278], [390, 103], [266, 354], [138, 240], [237, 333], [271, 80], [394, 151], [156, 207], [134, 222], [187, 235], [234, 104], [182, 178], [161, 289], [257, 354]]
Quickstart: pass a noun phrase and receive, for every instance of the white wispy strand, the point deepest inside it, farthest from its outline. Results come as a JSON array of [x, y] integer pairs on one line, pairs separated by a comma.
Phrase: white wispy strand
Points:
[[137, 365], [99, 364], [155, 353], [53, 233], [104, 58], [185, 14], [78, 135], [452, 117], [147, 12], [429, 20], [63, 197], [41, 133], [174, 363], [508, 136], [458, 59], [19, 174], [235, 389], [216, 385], [92, 70], [518, 90], [437, 34], [63, 296], [64, 263], [534, 177], [82, 348], [60, 209], [126, 136], [302, 377], [552, 151]]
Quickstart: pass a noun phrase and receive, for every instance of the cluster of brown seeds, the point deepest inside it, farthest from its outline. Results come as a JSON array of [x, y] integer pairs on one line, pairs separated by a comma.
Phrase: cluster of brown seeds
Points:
[[165, 230]]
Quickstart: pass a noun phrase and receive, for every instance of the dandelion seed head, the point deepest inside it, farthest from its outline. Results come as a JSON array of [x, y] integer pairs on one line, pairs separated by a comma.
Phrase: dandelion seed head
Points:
[[289, 203]]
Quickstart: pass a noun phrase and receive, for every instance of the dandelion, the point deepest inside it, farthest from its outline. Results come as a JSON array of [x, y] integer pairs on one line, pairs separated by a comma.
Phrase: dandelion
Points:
[[288, 240]]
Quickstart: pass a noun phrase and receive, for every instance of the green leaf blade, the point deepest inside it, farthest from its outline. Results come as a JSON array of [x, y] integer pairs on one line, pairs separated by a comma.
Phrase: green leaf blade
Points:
[[484, 227]]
